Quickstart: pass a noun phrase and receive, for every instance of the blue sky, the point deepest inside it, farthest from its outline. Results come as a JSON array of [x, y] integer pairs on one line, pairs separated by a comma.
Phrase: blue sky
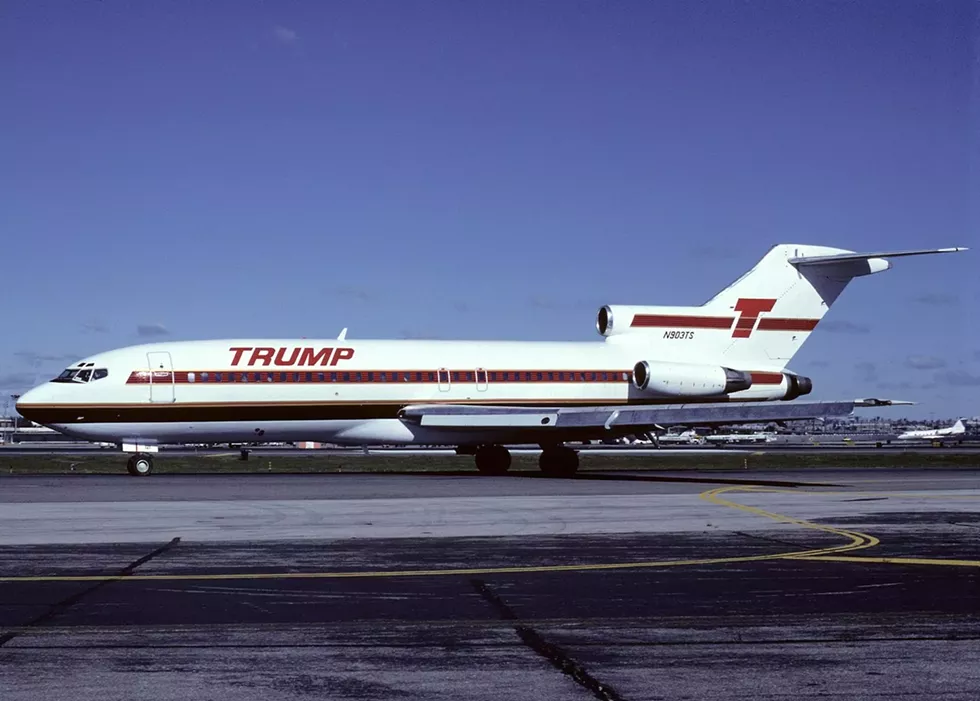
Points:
[[179, 170]]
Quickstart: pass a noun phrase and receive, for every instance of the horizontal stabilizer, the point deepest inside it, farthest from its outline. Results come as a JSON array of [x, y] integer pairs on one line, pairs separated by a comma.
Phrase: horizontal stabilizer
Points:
[[608, 417], [843, 257]]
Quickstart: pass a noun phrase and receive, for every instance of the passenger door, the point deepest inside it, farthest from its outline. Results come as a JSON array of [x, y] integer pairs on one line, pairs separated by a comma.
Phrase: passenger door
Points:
[[161, 377], [445, 379]]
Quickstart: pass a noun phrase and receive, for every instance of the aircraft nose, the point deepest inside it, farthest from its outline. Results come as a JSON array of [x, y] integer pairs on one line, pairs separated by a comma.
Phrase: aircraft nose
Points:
[[27, 403]]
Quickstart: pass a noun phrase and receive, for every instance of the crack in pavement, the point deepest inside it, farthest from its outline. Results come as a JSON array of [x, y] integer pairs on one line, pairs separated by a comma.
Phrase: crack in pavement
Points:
[[65, 604], [560, 659]]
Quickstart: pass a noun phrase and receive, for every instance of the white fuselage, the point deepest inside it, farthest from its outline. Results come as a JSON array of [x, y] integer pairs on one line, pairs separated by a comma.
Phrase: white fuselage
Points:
[[344, 391]]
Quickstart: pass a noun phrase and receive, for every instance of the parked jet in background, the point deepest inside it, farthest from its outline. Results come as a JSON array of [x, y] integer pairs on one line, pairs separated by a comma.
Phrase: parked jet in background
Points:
[[957, 429], [724, 362], [757, 437]]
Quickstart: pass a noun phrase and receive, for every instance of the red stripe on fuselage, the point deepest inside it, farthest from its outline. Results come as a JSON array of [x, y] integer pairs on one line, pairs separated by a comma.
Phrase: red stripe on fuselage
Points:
[[768, 323], [681, 322], [386, 377]]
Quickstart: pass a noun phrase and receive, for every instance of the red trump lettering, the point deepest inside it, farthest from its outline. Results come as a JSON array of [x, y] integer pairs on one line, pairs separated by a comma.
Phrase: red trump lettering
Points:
[[281, 357], [287, 357], [238, 351], [342, 354], [263, 354], [321, 357]]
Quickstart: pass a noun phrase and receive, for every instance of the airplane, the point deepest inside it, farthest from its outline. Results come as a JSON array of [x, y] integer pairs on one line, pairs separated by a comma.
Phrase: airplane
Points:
[[690, 436], [957, 429], [722, 362], [757, 437]]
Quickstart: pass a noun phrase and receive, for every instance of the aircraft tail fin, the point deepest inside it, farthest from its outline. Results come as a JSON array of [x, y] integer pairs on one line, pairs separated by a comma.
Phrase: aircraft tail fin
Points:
[[764, 317]]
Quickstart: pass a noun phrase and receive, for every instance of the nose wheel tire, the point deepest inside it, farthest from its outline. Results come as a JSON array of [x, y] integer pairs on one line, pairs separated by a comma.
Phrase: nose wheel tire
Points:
[[558, 461], [140, 465], [492, 459]]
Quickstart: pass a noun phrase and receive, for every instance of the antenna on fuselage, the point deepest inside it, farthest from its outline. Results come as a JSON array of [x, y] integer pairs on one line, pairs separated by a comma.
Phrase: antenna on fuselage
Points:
[[343, 334]]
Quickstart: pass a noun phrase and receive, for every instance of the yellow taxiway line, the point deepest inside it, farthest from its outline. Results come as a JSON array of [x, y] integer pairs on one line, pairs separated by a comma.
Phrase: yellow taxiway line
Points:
[[855, 541]]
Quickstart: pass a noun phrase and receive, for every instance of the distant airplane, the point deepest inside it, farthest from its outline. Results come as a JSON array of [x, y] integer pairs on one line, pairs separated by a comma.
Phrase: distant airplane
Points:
[[957, 429], [757, 437], [690, 436], [723, 362]]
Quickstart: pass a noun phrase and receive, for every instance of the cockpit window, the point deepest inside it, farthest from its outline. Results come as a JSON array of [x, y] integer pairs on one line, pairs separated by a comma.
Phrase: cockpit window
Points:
[[66, 375], [84, 374]]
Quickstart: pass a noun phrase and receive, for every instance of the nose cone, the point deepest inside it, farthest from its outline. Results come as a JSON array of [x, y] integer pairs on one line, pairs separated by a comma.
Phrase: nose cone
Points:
[[28, 404]]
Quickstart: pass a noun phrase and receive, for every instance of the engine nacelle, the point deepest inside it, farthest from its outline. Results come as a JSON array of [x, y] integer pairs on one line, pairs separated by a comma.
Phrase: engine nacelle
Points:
[[615, 319], [660, 379], [797, 385], [772, 386]]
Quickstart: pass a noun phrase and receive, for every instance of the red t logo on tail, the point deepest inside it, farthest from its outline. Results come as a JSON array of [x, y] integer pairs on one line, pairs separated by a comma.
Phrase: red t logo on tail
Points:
[[750, 310]]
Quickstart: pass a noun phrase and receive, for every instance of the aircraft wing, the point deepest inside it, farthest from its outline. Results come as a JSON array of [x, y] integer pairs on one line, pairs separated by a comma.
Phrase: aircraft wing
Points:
[[464, 416]]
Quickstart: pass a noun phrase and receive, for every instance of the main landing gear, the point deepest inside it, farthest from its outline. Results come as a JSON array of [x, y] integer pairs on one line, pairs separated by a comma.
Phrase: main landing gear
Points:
[[555, 461], [492, 459], [558, 461], [140, 465]]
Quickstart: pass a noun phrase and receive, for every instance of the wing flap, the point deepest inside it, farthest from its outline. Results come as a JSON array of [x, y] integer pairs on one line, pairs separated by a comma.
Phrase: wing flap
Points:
[[536, 419], [607, 417]]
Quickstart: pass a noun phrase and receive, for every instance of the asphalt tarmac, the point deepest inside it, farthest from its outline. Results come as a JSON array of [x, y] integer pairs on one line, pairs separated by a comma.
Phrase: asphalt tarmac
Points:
[[856, 584], [971, 447]]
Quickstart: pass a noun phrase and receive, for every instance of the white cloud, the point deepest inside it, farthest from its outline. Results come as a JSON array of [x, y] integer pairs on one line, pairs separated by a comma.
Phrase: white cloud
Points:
[[284, 35], [924, 362], [151, 330]]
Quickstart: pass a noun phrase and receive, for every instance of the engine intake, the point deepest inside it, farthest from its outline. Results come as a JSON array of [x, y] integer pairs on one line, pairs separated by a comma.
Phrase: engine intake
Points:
[[687, 380], [604, 321]]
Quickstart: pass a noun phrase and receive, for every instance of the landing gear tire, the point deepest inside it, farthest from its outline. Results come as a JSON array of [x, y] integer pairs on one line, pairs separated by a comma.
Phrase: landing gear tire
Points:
[[492, 459], [558, 461], [140, 465]]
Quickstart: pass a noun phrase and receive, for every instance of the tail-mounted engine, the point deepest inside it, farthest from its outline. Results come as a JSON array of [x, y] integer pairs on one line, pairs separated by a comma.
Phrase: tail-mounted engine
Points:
[[653, 378], [659, 379], [796, 385]]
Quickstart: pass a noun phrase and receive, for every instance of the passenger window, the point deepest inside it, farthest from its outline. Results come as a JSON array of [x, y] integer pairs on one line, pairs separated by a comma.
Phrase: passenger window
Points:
[[190, 377], [100, 373]]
